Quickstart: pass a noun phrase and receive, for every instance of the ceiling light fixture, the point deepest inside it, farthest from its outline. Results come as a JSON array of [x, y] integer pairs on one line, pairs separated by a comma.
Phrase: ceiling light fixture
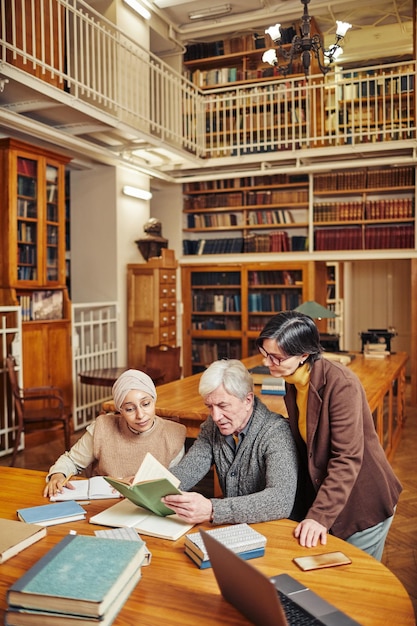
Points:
[[304, 45], [135, 192], [205, 14], [139, 8]]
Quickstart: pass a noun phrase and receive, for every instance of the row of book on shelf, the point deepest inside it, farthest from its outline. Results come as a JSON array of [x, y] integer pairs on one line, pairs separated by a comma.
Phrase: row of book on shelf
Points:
[[216, 302], [363, 179], [246, 181], [275, 277], [275, 241], [206, 352], [273, 302], [248, 198], [215, 278], [390, 208], [374, 238], [215, 323], [230, 45], [223, 75], [41, 305]]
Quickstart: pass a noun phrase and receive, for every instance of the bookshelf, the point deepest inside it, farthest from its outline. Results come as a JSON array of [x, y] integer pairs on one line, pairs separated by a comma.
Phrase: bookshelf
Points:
[[381, 101], [226, 306], [236, 60], [364, 209], [32, 264], [235, 116], [250, 214]]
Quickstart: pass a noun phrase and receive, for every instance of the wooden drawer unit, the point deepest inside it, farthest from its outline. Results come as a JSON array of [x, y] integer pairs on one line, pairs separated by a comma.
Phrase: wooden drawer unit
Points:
[[152, 305]]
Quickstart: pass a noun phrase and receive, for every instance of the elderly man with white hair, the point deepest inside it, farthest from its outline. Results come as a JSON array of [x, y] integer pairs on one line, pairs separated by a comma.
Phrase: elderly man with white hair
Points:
[[115, 444]]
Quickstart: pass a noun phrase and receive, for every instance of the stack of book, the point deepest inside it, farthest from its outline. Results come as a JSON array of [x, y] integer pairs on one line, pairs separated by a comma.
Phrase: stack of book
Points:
[[273, 386], [240, 538], [82, 580], [375, 351]]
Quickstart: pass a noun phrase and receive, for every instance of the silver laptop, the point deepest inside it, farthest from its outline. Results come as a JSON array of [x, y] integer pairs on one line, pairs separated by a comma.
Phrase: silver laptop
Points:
[[277, 601]]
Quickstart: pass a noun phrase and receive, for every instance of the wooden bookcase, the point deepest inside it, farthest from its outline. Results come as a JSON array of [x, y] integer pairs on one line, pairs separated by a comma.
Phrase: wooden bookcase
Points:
[[259, 213], [380, 101], [32, 264], [225, 307], [359, 209], [152, 305], [233, 63], [364, 209]]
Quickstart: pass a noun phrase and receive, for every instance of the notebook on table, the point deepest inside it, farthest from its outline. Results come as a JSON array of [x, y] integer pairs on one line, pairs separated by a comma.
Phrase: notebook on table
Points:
[[277, 601]]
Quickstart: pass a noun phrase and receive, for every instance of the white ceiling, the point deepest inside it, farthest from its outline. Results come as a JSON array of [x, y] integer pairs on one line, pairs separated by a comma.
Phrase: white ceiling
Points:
[[389, 21]]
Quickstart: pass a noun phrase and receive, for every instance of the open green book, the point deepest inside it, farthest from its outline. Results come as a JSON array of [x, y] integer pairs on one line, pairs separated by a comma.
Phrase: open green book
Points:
[[152, 482]]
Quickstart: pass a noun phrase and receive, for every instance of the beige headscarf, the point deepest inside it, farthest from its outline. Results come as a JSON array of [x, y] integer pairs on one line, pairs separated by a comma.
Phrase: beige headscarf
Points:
[[131, 379]]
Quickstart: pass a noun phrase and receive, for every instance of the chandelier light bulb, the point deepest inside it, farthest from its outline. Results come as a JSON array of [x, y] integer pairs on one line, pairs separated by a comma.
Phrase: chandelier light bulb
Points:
[[342, 28], [270, 56], [274, 32]]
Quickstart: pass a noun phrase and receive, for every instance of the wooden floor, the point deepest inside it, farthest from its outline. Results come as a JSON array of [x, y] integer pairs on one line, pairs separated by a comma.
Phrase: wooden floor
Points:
[[400, 554]]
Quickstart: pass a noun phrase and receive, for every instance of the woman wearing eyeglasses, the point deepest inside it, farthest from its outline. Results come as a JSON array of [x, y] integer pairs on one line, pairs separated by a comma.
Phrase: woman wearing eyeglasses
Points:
[[346, 485], [115, 444]]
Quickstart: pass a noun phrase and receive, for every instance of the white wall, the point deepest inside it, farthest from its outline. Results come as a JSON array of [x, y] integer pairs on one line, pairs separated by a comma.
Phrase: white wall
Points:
[[378, 295], [104, 226]]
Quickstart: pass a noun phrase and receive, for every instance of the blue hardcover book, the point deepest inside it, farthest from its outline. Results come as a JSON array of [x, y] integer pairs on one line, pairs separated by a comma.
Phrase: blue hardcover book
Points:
[[50, 514], [205, 564], [80, 575]]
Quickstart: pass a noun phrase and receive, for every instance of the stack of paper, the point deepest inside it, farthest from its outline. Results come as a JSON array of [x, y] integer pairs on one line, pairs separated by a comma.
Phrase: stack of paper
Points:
[[240, 538], [82, 580]]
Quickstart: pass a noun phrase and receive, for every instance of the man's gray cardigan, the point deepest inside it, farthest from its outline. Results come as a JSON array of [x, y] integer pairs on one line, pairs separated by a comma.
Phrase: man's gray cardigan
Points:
[[258, 481]]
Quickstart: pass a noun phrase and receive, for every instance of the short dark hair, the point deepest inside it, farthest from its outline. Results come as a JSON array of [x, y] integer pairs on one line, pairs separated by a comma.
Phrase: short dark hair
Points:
[[295, 334]]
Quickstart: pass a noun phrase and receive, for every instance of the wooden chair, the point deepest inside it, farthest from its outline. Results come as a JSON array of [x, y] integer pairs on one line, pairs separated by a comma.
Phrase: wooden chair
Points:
[[166, 358], [34, 405]]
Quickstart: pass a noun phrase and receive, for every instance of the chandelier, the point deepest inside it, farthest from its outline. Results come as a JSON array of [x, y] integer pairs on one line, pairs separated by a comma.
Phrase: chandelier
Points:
[[304, 46]]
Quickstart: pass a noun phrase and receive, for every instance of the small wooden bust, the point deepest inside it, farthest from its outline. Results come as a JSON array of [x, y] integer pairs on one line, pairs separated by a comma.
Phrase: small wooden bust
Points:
[[153, 242]]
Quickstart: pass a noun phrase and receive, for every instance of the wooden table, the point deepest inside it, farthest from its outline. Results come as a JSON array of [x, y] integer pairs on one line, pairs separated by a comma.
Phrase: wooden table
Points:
[[383, 381], [175, 592], [107, 376]]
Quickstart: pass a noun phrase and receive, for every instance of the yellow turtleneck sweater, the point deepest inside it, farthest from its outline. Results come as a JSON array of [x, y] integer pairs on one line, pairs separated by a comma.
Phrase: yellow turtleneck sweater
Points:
[[301, 380]]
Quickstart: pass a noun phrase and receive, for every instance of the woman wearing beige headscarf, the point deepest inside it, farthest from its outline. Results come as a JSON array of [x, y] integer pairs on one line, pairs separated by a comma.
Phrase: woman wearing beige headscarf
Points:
[[115, 444]]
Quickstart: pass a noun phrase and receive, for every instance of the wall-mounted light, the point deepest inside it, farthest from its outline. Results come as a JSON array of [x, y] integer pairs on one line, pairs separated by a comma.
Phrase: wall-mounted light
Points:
[[139, 8], [205, 14], [136, 192]]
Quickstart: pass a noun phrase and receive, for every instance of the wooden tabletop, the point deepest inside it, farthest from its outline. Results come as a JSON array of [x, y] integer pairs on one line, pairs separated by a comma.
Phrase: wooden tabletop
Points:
[[106, 377], [180, 398], [173, 591]]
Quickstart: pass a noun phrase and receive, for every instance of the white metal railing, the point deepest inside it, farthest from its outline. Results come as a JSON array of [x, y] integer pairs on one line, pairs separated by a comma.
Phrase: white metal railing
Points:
[[95, 63], [94, 346], [10, 342]]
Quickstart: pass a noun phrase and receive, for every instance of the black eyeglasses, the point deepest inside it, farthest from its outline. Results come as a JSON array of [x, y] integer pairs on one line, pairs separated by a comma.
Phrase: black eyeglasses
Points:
[[276, 360]]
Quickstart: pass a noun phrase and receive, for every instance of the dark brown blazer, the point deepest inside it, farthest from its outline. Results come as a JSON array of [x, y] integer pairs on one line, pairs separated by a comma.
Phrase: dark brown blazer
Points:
[[353, 483]]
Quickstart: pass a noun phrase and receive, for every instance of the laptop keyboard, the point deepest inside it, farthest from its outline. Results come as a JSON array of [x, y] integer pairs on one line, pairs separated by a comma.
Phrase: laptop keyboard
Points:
[[295, 615]]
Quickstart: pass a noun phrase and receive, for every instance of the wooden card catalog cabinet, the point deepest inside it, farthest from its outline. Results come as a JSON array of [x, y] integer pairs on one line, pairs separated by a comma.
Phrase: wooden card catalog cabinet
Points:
[[152, 305]]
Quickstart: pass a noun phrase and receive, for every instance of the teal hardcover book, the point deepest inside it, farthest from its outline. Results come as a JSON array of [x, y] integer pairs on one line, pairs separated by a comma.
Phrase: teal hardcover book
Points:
[[50, 514], [81, 575]]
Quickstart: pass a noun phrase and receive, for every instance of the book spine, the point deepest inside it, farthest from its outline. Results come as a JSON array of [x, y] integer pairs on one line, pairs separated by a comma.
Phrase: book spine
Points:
[[206, 564]]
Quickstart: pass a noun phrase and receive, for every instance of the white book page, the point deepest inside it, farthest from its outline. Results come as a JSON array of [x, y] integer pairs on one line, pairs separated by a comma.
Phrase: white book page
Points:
[[94, 488], [127, 514], [151, 468], [80, 492]]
